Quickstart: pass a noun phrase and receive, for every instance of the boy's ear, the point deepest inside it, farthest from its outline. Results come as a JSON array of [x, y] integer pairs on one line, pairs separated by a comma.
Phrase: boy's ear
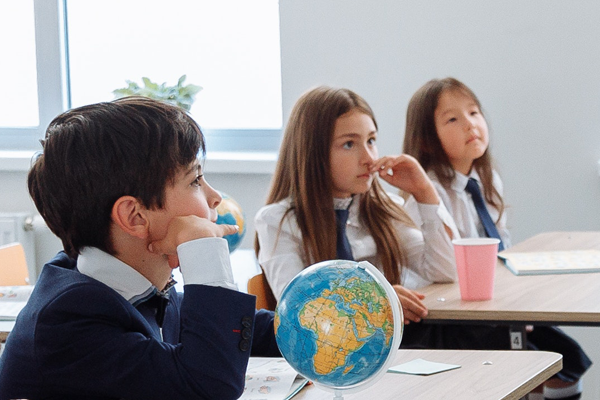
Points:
[[130, 215]]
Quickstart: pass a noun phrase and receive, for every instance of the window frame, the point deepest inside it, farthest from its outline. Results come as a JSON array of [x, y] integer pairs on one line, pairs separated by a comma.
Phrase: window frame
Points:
[[53, 92], [49, 65]]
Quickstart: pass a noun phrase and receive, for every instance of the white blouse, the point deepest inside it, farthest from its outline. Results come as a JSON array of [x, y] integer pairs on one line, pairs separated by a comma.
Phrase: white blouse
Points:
[[460, 205], [428, 250]]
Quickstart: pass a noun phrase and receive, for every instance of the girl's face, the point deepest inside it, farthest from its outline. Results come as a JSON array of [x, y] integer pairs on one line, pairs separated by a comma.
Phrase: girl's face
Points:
[[461, 128], [352, 153]]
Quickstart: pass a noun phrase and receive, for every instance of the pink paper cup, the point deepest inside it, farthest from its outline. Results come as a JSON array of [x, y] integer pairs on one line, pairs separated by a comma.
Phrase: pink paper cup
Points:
[[476, 267]]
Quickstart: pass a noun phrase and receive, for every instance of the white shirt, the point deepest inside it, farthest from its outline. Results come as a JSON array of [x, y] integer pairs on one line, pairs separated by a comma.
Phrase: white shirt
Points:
[[202, 261], [460, 205], [429, 253]]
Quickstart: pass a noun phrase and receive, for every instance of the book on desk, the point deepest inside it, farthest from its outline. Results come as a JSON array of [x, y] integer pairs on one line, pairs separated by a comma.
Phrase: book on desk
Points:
[[271, 378], [12, 301], [551, 262]]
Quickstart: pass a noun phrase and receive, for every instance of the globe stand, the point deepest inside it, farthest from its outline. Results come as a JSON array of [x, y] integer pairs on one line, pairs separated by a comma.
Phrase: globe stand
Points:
[[337, 395]]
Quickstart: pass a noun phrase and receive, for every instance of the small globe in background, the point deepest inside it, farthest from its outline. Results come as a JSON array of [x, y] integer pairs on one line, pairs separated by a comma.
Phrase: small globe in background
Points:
[[229, 212], [339, 324]]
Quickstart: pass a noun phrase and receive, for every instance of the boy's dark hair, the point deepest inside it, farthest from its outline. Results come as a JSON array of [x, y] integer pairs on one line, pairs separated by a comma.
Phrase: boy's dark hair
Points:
[[95, 154]]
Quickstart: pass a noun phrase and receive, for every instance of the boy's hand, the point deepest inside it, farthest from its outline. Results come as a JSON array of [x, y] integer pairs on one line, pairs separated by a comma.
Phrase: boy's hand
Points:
[[407, 175], [412, 306], [184, 229]]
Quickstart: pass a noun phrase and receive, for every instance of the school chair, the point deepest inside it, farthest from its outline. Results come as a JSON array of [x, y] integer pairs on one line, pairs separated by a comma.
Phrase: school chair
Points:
[[13, 265], [258, 286]]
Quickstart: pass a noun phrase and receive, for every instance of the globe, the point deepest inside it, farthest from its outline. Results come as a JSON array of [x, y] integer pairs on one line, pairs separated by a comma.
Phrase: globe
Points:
[[229, 212], [339, 324]]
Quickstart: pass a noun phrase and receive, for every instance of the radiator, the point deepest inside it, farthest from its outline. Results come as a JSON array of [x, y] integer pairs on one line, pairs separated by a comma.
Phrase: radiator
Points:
[[39, 243]]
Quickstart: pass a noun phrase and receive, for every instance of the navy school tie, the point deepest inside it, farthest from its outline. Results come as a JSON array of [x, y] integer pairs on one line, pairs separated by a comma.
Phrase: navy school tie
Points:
[[343, 250], [489, 226]]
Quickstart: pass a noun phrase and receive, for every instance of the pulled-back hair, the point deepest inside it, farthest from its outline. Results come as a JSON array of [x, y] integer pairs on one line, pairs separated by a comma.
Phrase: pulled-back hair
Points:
[[95, 154], [421, 139], [303, 174]]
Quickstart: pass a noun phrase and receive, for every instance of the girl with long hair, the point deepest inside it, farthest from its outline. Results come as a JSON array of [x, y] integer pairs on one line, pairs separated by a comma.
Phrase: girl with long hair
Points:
[[329, 165], [448, 134]]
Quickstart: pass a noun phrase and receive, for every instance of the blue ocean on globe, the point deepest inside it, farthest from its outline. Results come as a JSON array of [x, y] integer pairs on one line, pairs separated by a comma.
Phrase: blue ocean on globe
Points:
[[230, 212], [334, 324]]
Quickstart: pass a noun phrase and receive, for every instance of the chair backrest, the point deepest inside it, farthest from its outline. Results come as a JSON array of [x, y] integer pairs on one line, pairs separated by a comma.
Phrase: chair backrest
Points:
[[258, 286], [13, 265]]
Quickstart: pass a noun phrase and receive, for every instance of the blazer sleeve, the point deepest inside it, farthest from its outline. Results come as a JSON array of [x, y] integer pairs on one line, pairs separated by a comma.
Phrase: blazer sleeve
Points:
[[90, 342], [263, 343]]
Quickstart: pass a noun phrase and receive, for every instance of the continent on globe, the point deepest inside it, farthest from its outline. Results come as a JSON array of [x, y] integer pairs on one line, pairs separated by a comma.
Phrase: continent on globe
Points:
[[339, 324], [368, 303], [229, 212]]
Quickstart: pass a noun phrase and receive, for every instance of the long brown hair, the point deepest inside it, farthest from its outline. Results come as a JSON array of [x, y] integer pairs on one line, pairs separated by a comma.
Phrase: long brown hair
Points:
[[303, 174], [422, 142]]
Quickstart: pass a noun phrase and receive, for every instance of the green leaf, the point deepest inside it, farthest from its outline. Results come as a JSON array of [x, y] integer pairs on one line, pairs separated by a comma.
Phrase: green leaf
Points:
[[179, 95]]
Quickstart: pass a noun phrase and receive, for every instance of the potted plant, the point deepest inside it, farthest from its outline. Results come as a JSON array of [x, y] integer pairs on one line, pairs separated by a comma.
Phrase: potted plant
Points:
[[179, 95]]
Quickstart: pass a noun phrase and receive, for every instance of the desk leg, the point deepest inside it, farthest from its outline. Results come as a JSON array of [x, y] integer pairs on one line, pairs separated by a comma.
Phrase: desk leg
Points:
[[518, 341], [518, 337]]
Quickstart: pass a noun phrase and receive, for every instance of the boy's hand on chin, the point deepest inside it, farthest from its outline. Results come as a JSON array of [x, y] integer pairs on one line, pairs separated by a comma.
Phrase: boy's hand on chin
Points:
[[184, 229]]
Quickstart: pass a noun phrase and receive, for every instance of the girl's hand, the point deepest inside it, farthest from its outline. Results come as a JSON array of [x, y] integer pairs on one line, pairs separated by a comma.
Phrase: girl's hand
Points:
[[407, 175], [412, 306], [184, 229]]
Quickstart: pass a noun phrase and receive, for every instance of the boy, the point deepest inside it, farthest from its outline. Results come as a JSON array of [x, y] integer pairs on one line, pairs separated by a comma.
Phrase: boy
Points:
[[121, 185]]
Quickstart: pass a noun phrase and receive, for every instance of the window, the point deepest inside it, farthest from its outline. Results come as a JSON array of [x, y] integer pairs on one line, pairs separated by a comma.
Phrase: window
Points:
[[17, 29], [32, 78], [230, 48]]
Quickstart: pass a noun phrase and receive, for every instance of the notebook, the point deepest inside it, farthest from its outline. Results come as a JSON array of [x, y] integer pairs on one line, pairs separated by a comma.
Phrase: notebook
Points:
[[12, 301], [551, 262], [271, 378]]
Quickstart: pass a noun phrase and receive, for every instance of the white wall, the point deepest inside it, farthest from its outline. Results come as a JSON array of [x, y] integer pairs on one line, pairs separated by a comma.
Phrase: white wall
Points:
[[535, 66]]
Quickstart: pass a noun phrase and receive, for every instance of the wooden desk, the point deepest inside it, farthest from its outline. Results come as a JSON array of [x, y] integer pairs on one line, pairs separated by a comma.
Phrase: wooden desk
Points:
[[563, 299], [511, 375]]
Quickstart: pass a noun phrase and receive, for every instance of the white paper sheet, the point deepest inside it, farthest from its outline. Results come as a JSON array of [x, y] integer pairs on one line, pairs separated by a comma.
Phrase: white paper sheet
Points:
[[422, 367]]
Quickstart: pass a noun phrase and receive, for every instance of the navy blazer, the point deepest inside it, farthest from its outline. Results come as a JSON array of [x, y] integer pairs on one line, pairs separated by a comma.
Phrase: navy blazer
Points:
[[78, 338]]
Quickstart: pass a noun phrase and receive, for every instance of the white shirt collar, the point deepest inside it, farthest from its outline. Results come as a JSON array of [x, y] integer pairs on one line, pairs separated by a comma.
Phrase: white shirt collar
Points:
[[342, 204], [460, 181], [115, 274]]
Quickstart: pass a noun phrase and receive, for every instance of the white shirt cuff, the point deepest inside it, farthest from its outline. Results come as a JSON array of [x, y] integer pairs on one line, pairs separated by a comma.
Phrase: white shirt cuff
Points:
[[430, 212], [434, 213], [206, 262]]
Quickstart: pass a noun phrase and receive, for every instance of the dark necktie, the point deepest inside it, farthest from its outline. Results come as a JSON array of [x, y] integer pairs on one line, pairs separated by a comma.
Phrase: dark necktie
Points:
[[155, 304], [489, 226], [343, 250]]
